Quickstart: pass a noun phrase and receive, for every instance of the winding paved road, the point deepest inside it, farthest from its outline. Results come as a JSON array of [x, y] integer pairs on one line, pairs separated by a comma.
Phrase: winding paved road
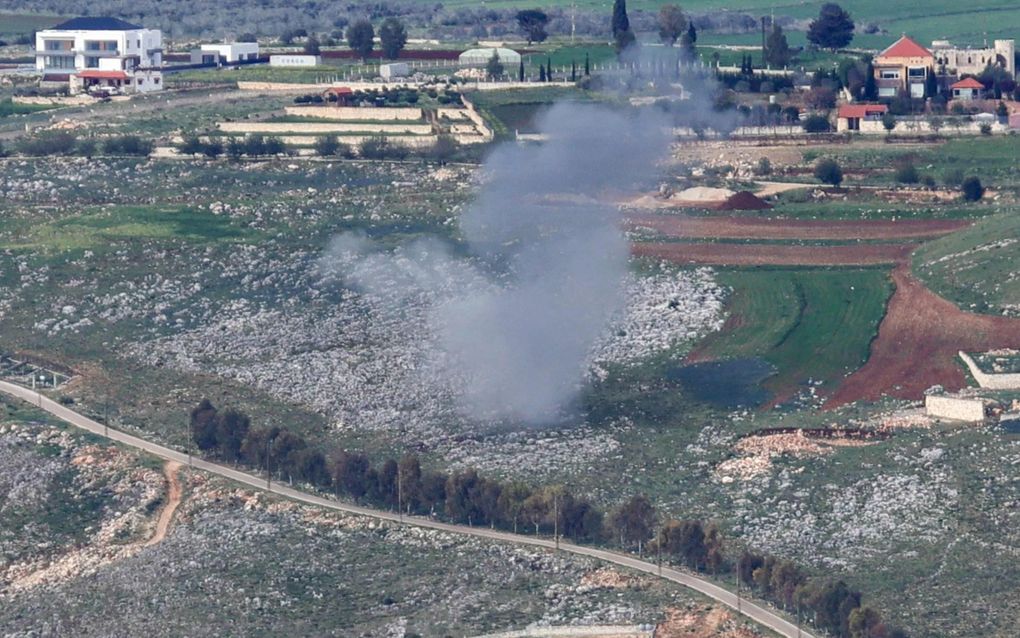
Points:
[[755, 612]]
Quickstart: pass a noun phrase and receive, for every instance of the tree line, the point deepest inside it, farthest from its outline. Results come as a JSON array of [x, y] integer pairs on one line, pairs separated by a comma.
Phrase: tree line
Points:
[[466, 497]]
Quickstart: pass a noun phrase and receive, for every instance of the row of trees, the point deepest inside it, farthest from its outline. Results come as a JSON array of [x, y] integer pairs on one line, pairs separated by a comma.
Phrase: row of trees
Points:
[[466, 497], [67, 143], [376, 147]]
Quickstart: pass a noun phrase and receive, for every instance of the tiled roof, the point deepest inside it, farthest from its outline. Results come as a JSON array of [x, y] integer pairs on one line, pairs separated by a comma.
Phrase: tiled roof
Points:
[[968, 83], [861, 110], [905, 47], [102, 75]]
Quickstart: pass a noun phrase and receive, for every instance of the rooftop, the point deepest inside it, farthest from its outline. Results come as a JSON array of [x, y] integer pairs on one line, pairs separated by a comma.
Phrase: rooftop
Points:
[[968, 83], [95, 24], [861, 110], [905, 47]]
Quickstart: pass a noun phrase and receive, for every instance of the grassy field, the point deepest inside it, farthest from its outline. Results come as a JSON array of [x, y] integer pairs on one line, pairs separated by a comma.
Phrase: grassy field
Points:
[[791, 318], [8, 108], [976, 268], [22, 23]]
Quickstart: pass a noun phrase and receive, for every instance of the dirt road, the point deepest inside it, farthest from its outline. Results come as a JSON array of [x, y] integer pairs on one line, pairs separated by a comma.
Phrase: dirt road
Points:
[[725, 227], [724, 254], [173, 500]]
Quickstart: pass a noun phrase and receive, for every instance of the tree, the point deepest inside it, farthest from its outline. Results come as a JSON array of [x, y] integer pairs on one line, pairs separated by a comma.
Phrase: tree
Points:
[[685, 540], [231, 429], [444, 148], [212, 149], [409, 476], [541, 73], [349, 472], [191, 145], [828, 171], [672, 24], [865, 622], [633, 521], [931, 84], [520, 71], [689, 39], [511, 502], [312, 46], [747, 564], [532, 24], [816, 124], [275, 146], [870, 84], [622, 34], [494, 67], [235, 148], [905, 172], [573, 72], [392, 37], [972, 189], [327, 146], [777, 49], [361, 38], [587, 65], [247, 37], [832, 29], [203, 425], [888, 122]]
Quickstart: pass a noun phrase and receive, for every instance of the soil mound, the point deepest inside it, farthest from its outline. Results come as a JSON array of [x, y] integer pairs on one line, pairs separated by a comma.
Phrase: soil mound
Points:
[[743, 200]]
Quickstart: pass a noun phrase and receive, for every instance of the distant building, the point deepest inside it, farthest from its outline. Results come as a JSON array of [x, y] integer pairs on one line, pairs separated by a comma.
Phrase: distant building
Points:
[[860, 117], [394, 70], [295, 60], [480, 57], [225, 53], [903, 67], [100, 54], [967, 89], [957, 61]]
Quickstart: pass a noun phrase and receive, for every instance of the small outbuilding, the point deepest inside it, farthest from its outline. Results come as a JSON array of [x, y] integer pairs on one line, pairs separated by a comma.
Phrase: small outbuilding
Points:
[[225, 53], [967, 89], [481, 57], [394, 70], [851, 116]]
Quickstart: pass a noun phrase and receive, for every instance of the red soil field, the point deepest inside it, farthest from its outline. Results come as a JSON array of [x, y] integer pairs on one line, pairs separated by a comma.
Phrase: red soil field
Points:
[[758, 228], [775, 255], [917, 345]]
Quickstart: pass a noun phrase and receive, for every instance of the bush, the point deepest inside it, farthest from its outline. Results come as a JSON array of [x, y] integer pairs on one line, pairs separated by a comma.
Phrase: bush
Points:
[[128, 145], [972, 189], [275, 146], [330, 146], [953, 177], [86, 147], [764, 167], [828, 171], [381, 148], [906, 172], [817, 124], [49, 143], [254, 146], [213, 149], [986, 129], [191, 145]]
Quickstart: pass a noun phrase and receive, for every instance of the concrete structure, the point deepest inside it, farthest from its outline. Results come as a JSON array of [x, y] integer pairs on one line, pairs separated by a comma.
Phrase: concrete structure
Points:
[[225, 53], [394, 70], [967, 89], [903, 66], [990, 381], [856, 117], [100, 54], [955, 408], [295, 60], [958, 61], [480, 57]]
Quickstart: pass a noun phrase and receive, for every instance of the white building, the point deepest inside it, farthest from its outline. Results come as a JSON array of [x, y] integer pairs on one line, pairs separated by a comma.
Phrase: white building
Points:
[[959, 61], [394, 70], [225, 53], [295, 60], [101, 54]]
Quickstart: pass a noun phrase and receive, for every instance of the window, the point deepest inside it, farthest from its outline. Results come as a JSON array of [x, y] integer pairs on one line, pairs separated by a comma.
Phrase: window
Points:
[[886, 92], [916, 72], [888, 74], [59, 62], [91, 62]]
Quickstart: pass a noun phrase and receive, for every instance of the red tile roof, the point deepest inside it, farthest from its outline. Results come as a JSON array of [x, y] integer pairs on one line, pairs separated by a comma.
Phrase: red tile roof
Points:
[[861, 110], [968, 83], [102, 75], [905, 47]]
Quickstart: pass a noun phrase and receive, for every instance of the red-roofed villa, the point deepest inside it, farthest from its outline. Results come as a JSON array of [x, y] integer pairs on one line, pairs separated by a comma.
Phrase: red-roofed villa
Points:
[[850, 117], [967, 89], [904, 66]]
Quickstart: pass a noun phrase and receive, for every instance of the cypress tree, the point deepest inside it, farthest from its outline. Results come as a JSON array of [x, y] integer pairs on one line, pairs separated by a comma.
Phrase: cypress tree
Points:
[[573, 71], [548, 69], [541, 73], [520, 72], [587, 65], [621, 23]]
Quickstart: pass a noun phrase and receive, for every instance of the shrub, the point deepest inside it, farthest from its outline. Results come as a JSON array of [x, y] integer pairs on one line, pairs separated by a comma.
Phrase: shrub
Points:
[[906, 172], [381, 148], [127, 145], [817, 124], [828, 171], [326, 146], [191, 145], [972, 189], [86, 147], [953, 177], [986, 129], [213, 149], [764, 167], [254, 145], [275, 146], [49, 143]]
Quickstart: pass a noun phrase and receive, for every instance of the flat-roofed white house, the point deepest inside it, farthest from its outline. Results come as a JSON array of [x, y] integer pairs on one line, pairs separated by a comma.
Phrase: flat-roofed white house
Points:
[[101, 54], [225, 53]]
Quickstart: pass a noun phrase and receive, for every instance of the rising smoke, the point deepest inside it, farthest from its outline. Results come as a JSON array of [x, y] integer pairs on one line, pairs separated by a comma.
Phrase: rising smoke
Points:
[[547, 264]]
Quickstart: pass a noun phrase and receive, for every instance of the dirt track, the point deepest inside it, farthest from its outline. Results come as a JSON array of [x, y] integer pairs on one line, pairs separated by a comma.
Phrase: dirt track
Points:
[[173, 499], [759, 228], [775, 255], [917, 345]]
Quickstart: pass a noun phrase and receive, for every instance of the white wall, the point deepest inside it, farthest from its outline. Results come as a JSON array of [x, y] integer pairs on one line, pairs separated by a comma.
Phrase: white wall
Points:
[[992, 381], [970, 410]]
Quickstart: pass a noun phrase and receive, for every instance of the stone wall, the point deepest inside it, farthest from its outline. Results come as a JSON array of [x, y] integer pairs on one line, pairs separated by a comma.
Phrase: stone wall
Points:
[[991, 381], [312, 128], [954, 408], [594, 631], [355, 112]]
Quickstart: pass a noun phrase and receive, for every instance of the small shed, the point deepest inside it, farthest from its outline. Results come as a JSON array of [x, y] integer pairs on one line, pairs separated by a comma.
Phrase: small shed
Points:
[[481, 57], [340, 95], [850, 116], [394, 70], [967, 89]]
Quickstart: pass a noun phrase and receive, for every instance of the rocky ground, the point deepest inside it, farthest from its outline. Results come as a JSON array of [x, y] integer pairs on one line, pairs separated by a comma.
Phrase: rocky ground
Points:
[[237, 562]]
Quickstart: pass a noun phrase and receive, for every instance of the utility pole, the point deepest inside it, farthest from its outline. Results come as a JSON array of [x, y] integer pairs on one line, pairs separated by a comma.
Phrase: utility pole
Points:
[[269, 473], [400, 492], [556, 520], [573, 20], [106, 416]]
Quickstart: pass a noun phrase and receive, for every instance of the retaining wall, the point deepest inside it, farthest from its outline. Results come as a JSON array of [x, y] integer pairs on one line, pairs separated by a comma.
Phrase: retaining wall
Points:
[[991, 381], [616, 631], [356, 112], [957, 409], [312, 128]]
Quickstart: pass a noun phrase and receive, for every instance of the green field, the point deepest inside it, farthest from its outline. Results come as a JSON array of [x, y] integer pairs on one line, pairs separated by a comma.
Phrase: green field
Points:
[[21, 23], [809, 324], [8, 108], [977, 268]]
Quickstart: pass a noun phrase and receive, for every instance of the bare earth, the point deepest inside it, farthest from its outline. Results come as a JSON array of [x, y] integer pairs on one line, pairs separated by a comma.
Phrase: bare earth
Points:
[[776, 255], [759, 228], [173, 500], [917, 345]]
